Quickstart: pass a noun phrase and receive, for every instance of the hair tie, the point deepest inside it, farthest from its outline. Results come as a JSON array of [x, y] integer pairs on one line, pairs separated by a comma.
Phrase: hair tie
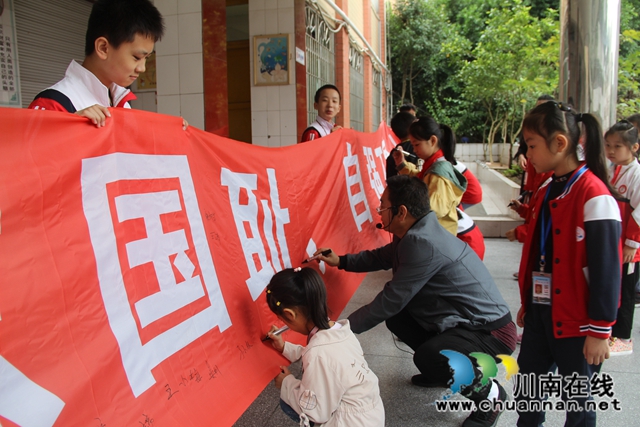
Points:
[[278, 303], [297, 269], [268, 291]]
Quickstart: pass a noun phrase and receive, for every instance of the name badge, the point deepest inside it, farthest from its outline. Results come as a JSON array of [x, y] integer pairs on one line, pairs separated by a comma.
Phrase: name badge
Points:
[[541, 288]]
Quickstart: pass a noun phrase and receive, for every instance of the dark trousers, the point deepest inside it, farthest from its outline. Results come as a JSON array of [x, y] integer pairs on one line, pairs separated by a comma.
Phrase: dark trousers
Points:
[[427, 345], [540, 352], [624, 322]]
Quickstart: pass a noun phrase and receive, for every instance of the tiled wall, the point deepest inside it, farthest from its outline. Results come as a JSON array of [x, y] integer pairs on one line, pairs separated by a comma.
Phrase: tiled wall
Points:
[[179, 61], [273, 108]]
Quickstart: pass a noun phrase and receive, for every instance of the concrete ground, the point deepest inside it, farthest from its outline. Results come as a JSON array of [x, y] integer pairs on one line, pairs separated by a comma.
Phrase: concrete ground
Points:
[[407, 405]]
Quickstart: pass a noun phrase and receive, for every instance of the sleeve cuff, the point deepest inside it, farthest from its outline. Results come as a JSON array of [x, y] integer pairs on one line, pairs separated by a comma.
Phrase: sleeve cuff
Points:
[[343, 262]]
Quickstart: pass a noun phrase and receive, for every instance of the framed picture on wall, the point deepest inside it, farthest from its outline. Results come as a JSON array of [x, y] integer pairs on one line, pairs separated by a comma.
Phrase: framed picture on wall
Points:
[[271, 60]]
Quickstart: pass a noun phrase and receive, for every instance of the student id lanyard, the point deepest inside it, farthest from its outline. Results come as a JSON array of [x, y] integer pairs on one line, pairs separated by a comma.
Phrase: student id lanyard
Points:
[[542, 280]]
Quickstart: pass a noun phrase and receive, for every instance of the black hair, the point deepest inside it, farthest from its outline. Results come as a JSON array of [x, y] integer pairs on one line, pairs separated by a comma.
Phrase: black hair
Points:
[[550, 118], [635, 120], [316, 98], [304, 290], [119, 21], [426, 127], [405, 108], [545, 97], [410, 192], [400, 124], [628, 133]]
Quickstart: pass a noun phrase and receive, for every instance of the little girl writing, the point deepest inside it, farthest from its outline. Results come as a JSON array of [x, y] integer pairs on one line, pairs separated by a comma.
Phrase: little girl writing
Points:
[[621, 142], [337, 387], [570, 269], [446, 185]]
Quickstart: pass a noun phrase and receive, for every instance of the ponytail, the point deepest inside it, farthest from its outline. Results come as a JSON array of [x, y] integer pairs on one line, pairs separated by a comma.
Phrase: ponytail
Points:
[[300, 288], [448, 144], [594, 149]]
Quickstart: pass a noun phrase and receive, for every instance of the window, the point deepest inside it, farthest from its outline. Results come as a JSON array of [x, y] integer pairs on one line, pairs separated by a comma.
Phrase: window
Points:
[[356, 89], [320, 57]]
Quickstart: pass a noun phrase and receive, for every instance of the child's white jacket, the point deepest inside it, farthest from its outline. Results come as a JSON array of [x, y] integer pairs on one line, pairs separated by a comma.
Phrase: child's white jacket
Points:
[[337, 387]]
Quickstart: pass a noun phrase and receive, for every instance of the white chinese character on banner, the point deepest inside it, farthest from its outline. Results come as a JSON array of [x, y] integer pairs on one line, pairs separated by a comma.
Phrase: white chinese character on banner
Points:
[[24, 402], [177, 285], [355, 189], [260, 272], [382, 153], [372, 169]]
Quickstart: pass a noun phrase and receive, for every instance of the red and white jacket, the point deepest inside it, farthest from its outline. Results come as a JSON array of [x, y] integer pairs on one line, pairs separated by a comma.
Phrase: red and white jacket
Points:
[[586, 273], [626, 180], [473, 194], [319, 128], [79, 89]]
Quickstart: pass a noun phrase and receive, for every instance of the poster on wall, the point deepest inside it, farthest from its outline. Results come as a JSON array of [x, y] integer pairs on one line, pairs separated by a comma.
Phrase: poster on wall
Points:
[[9, 76], [271, 60]]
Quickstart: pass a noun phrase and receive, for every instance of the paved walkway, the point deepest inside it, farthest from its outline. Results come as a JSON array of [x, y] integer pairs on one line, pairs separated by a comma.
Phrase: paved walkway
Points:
[[407, 405]]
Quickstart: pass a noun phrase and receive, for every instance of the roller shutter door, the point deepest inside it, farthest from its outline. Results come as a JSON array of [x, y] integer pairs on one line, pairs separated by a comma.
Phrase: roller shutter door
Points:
[[50, 33]]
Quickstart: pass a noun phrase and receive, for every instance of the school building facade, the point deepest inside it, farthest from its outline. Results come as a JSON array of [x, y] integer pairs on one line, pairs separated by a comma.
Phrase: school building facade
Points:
[[212, 66]]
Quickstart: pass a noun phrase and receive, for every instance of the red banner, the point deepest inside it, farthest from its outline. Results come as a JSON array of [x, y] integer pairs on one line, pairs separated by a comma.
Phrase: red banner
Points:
[[134, 259]]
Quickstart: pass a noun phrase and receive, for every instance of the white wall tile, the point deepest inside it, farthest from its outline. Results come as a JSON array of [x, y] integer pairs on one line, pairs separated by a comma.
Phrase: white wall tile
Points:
[[256, 5], [190, 27], [149, 102], [167, 7], [288, 123], [273, 98], [189, 6], [258, 98], [259, 125], [260, 140], [288, 140], [287, 96], [273, 123], [192, 109], [274, 141], [282, 4], [169, 43], [270, 4], [257, 23], [191, 76], [168, 75], [286, 21], [271, 21], [169, 104]]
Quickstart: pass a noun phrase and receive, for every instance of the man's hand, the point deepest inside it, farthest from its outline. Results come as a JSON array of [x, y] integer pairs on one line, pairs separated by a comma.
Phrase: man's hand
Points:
[[96, 113], [332, 259], [595, 350], [284, 372]]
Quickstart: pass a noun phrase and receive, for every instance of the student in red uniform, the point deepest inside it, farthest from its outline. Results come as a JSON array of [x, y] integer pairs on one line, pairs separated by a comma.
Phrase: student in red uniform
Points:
[[570, 269], [473, 193], [327, 101], [121, 35], [621, 142]]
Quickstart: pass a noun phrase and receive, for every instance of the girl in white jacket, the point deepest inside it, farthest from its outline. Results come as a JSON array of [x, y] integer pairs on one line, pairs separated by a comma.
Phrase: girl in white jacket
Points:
[[337, 387]]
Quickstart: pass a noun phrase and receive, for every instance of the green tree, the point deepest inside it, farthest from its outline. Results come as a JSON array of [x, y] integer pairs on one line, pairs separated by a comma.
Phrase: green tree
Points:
[[515, 59], [629, 60]]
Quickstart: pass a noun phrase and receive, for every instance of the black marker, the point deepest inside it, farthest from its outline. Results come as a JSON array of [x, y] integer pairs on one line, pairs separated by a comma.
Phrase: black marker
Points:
[[323, 253], [519, 199], [276, 332]]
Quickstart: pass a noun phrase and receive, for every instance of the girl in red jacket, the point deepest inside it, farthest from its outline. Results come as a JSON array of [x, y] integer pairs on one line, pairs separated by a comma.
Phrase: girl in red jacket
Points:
[[570, 269], [621, 142]]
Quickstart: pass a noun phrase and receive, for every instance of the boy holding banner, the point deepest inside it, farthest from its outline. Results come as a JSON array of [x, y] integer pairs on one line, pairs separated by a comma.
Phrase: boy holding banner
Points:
[[121, 34]]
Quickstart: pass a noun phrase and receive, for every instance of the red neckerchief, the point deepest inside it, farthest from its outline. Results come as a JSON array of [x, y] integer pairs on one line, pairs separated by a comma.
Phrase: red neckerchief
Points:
[[429, 162], [615, 175]]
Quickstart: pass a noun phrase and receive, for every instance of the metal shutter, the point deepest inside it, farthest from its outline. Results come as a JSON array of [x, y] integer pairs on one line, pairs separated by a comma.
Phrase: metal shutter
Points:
[[50, 33]]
